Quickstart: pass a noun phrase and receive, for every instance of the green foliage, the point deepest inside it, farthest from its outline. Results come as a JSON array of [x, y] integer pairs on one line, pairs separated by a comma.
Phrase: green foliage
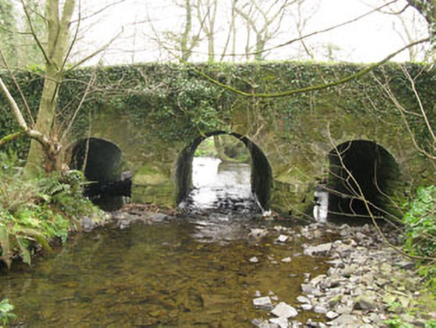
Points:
[[32, 212], [206, 149], [6, 312], [420, 231], [396, 322], [420, 221]]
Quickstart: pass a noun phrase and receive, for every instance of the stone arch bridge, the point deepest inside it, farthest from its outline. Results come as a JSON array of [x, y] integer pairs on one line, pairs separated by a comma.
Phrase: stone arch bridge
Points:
[[150, 118]]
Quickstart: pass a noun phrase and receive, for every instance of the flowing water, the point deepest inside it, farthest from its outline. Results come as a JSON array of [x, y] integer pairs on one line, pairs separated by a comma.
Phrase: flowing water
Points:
[[189, 271]]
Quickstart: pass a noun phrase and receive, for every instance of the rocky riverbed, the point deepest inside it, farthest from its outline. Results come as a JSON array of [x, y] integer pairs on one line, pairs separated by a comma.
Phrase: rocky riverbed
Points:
[[368, 283]]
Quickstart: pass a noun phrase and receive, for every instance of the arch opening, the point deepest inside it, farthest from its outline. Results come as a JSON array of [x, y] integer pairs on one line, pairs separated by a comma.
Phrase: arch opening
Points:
[[102, 164], [361, 171], [260, 176]]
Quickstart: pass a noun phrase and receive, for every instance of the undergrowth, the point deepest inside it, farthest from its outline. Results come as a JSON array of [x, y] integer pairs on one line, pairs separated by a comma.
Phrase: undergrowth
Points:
[[6, 312], [420, 232], [33, 212]]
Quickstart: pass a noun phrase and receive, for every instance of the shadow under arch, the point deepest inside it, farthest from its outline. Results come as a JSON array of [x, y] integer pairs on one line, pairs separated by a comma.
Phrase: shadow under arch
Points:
[[101, 161], [361, 166], [261, 173]]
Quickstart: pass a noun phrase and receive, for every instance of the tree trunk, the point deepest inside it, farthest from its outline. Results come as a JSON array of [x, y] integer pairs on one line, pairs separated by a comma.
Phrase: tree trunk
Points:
[[55, 53]]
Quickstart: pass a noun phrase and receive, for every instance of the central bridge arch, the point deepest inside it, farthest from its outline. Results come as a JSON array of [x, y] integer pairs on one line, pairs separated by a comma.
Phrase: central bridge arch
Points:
[[261, 173]]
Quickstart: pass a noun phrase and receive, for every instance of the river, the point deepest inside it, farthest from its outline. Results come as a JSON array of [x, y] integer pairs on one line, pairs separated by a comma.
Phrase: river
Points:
[[195, 270]]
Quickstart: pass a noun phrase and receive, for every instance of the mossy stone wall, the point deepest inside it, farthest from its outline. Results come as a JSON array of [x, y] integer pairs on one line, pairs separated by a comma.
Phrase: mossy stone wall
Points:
[[153, 112]]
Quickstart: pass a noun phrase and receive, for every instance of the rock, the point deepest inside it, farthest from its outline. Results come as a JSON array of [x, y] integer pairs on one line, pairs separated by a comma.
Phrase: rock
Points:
[[348, 271], [88, 224], [254, 259], [257, 233], [158, 217], [306, 288], [319, 309], [335, 300], [263, 303], [257, 294], [282, 322], [263, 324], [296, 324], [307, 307], [284, 310], [286, 260], [406, 265], [282, 238], [303, 299], [119, 215], [346, 320], [363, 302], [315, 281], [331, 315], [320, 249]]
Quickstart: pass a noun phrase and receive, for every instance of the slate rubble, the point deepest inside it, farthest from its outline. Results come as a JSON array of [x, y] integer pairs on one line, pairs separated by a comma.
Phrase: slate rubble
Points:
[[365, 278]]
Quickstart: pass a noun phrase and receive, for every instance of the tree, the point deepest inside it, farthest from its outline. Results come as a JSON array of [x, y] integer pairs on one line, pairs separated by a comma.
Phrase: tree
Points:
[[264, 18], [55, 52], [427, 8], [7, 25], [207, 12]]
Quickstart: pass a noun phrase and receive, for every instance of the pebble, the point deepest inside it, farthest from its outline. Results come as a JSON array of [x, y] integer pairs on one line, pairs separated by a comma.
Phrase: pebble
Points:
[[254, 259], [365, 277], [286, 260], [282, 238], [331, 315]]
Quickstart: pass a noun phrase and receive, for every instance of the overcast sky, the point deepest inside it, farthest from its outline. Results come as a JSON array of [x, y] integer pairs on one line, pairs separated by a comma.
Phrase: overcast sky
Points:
[[368, 40]]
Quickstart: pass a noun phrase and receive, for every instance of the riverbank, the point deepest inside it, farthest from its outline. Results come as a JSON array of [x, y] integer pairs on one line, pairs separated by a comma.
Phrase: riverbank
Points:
[[369, 284]]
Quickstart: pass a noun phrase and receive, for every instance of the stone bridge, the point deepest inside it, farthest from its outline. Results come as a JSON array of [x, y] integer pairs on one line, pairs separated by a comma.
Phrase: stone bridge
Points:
[[149, 119]]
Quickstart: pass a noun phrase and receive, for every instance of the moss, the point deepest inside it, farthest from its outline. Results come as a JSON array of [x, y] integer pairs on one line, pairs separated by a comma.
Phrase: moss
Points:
[[153, 111]]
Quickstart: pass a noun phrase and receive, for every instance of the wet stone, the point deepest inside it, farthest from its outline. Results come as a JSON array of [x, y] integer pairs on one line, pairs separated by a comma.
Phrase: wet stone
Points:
[[331, 315], [284, 310], [303, 299], [282, 238], [263, 303], [282, 322], [306, 307], [318, 250], [254, 259]]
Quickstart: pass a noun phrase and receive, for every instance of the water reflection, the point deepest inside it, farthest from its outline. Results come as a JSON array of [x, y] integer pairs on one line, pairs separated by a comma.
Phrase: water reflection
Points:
[[220, 184], [154, 276]]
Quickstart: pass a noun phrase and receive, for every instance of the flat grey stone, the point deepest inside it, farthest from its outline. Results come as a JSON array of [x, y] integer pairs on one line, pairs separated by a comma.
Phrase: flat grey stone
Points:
[[263, 303], [303, 299], [282, 322], [346, 319], [306, 307], [331, 315], [284, 310], [320, 309], [320, 249]]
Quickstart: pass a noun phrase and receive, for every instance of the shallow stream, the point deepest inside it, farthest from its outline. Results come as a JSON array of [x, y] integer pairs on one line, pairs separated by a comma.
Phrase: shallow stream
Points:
[[189, 271]]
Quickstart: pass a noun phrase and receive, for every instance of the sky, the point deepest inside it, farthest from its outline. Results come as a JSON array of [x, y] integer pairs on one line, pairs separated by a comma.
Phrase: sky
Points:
[[137, 24]]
